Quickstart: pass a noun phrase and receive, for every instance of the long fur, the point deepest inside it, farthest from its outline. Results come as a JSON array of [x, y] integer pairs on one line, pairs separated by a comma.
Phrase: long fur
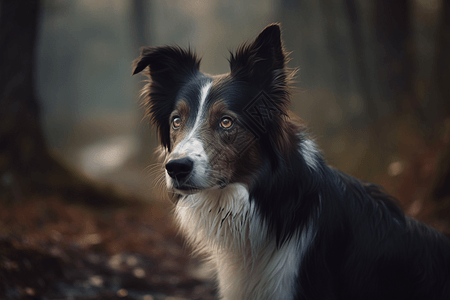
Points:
[[274, 219]]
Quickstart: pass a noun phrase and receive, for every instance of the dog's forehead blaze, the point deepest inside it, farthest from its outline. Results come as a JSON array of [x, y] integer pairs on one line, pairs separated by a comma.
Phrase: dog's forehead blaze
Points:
[[207, 131]]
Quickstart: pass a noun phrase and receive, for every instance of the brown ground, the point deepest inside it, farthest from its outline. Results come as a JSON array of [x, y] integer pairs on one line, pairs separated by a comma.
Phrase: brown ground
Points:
[[51, 249]]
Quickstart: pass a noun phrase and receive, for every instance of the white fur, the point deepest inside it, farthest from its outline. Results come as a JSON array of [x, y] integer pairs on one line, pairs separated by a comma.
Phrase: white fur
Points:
[[309, 151], [192, 147], [201, 110], [227, 227]]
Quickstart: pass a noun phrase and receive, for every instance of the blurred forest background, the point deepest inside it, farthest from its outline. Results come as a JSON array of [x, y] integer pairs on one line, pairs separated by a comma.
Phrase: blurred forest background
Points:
[[80, 215]]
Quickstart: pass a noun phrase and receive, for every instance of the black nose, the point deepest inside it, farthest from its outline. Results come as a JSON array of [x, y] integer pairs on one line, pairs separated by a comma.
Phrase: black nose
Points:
[[179, 169]]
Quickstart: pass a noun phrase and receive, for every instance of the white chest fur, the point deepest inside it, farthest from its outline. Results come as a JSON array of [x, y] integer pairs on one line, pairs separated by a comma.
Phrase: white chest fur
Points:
[[225, 226]]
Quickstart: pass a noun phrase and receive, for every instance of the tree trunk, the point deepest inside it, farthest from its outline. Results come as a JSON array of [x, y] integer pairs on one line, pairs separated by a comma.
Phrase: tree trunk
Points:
[[362, 71], [443, 63], [139, 16], [395, 49], [26, 164], [336, 51], [440, 193]]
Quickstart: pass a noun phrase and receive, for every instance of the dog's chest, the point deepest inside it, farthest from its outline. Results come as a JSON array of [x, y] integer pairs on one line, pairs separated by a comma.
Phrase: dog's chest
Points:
[[225, 226]]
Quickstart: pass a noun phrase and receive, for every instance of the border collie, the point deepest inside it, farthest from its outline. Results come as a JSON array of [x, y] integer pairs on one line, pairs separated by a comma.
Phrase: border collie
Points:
[[253, 192]]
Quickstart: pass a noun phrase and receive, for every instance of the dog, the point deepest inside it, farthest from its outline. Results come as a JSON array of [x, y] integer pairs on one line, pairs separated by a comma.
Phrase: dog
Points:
[[254, 194]]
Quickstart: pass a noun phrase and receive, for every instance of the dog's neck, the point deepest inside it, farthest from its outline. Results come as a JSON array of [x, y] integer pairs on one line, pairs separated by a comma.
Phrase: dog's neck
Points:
[[226, 226], [221, 219]]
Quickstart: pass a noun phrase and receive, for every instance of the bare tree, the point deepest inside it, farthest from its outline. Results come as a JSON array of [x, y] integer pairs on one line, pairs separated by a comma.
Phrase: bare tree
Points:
[[142, 37], [440, 193], [443, 62], [26, 164]]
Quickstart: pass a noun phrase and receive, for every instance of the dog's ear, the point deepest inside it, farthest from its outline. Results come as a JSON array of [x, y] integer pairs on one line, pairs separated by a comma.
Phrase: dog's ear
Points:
[[257, 61], [262, 63], [169, 68], [168, 62]]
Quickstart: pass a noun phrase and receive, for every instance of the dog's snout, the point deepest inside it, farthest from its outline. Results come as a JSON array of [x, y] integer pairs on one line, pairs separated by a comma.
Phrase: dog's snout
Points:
[[179, 169]]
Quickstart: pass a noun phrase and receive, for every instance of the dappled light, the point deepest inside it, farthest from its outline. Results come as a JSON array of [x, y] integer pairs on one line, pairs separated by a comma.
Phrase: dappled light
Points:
[[107, 155]]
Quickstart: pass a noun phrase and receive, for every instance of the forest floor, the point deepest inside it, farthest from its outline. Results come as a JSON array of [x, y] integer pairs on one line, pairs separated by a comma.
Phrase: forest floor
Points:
[[51, 249]]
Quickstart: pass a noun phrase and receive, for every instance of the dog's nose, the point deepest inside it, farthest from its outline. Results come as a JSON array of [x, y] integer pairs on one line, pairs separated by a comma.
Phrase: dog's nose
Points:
[[179, 169]]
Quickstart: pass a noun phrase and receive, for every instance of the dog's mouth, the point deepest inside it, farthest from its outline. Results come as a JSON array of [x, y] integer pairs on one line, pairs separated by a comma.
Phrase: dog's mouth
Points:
[[186, 189]]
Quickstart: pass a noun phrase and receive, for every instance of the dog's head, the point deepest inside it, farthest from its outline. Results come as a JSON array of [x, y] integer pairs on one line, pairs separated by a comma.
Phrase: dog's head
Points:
[[216, 130]]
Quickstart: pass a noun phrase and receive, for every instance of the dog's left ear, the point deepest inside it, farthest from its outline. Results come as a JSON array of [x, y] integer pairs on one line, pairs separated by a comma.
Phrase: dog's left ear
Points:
[[169, 68], [257, 61]]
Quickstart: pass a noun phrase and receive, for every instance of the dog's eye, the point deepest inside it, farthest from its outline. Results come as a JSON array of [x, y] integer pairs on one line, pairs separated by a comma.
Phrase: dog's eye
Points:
[[226, 123], [176, 122]]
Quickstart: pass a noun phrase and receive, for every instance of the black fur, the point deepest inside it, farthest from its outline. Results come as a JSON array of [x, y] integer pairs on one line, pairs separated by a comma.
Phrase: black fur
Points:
[[170, 68], [367, 249], [364, 245]]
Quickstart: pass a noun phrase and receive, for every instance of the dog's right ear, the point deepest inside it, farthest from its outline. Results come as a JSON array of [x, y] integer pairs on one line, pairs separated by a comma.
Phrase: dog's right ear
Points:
[[169, 68]]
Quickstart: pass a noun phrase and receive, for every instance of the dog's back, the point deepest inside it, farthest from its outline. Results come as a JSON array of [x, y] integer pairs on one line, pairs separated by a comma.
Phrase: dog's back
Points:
[[371, 250]]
